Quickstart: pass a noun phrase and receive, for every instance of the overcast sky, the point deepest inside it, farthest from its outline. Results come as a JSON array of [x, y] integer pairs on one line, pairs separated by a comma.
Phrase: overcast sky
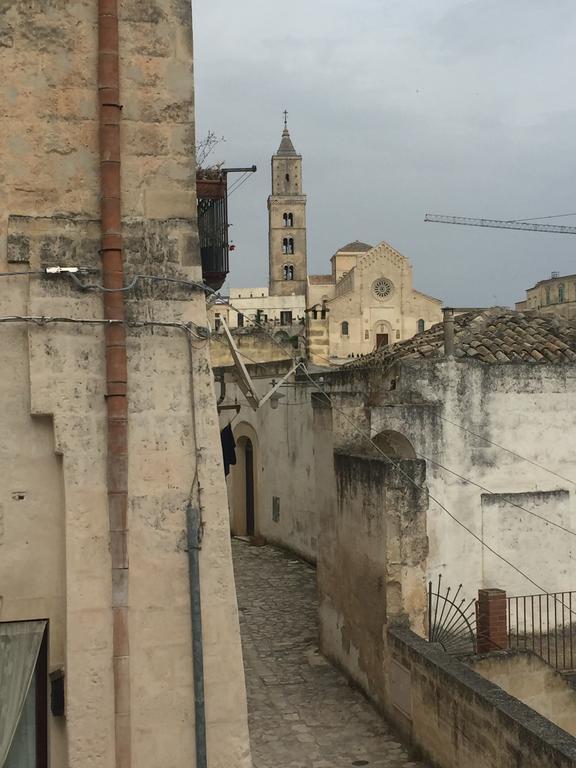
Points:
[[400, 108]]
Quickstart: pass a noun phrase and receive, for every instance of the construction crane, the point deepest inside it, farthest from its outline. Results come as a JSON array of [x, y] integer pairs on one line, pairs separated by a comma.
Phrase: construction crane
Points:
[[527, 226]]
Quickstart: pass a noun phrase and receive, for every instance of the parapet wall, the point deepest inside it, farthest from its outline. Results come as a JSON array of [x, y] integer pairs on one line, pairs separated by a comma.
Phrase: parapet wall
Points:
[[457, 719]]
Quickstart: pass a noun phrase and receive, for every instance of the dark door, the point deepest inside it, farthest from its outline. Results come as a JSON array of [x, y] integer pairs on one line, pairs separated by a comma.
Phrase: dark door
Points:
[[381, 340], [249, 466]]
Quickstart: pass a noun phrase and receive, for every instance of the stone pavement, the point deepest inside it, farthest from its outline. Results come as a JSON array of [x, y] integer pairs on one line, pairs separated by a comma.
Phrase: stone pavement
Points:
[[303, 713]]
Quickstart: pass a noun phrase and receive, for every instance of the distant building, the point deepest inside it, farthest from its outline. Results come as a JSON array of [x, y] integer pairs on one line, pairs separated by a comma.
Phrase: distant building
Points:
[[556, 294], [367, 300]]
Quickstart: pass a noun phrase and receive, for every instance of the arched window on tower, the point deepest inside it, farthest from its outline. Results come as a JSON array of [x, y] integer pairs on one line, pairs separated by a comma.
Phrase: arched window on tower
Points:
[[288, 245], [287, 177], [288, 220], [421, 326], [344, 328], [288, 271]]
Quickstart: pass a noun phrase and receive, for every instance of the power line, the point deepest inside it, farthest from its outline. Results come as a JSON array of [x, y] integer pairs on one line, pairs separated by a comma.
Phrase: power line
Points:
[[508, 450], [436, 501], [422, 488], [539, 218], [493, 493]]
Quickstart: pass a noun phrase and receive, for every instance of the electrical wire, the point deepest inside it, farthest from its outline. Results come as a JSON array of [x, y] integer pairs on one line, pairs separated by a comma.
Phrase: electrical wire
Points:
[[538, 218], [360, 431], [493, 493], [508, 450], [239, 184], [423, 488]]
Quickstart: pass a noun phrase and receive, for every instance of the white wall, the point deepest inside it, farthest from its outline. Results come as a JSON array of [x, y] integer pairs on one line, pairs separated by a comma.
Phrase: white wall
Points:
[[283, 466], [526, 408]]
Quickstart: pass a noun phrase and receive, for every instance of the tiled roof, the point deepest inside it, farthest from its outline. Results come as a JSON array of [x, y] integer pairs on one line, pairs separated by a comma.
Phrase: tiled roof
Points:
[[320, 279], [355, 247], [490, 336]]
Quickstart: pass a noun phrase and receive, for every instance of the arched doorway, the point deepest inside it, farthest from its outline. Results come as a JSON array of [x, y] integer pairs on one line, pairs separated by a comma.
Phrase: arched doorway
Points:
[[243, 495], [249, 485], [394, 444], [383, 334]]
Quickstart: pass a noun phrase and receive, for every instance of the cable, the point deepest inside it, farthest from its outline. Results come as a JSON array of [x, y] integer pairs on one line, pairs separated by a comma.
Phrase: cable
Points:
[[237, 186], [538, 218], [422, 488], [508, 450], [493, 493], [41, 320]]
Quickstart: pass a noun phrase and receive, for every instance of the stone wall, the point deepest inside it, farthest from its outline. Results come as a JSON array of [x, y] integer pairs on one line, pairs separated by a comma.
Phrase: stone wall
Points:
[[456, 718], [284, 469], [54, 538], [530, 679], [441, 406], [371, 564]]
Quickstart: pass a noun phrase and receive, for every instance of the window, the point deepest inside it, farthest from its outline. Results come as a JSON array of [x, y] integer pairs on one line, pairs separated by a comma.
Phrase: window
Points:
[[286, 317], [344, 328], [561, 294], [288, 220], [288, 245], [288, 272], [24, 686], [287, 177], [548, 296], [217, 322], [421, 326], [240, 320]]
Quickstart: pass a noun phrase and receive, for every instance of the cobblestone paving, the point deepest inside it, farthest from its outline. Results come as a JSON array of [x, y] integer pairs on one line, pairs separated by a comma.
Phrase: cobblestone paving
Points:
[[303, 713]]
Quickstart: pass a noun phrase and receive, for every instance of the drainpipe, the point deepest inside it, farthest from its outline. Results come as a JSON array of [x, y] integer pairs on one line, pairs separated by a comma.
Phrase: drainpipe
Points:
[[116, 364], [448, 331], [194, 536]]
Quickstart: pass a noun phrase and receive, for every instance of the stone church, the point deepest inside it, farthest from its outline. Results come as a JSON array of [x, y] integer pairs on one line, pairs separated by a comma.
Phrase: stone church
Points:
[[367, 299]]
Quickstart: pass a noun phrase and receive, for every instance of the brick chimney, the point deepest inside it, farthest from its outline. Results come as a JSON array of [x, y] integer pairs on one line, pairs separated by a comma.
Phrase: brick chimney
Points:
[[491, 620]]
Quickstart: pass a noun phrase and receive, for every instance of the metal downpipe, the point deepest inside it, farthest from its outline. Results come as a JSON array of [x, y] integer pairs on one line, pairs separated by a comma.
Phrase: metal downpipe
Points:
[[110, 111], [194, 534]]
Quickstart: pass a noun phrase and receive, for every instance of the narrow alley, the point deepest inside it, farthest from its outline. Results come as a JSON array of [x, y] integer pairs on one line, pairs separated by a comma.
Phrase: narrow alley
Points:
[[302, 711]]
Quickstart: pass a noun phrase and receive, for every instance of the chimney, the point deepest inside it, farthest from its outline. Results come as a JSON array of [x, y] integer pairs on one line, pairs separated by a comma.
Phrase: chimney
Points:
[[491, 620]]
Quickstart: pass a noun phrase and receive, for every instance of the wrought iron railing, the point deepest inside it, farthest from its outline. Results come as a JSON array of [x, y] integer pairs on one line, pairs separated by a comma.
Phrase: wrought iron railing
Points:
[[451, 620], [546, 625]]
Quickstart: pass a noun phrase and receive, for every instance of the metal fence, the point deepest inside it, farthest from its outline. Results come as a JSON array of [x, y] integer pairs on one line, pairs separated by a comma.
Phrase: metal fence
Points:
[[546, 625], [451, 619]]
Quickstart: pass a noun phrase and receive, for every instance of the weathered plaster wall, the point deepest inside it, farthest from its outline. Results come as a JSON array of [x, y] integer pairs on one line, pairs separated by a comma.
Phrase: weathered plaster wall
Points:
[[522, 407], [256, 345], [371, 563], [49, 208], [457, 718], [283, 466], [532, 681]]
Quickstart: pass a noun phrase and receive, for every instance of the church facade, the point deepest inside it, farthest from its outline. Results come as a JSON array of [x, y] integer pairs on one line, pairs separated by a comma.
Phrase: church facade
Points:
[[366, 300]]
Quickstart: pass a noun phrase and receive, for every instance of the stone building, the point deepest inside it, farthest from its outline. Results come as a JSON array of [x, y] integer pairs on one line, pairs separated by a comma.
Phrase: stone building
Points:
[[367, 301], [368, 298], [109, 433], [556, 294], [491, 423]]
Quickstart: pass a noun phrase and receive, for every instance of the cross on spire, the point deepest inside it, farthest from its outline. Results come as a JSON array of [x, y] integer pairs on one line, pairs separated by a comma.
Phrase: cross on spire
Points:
[[285, 113]]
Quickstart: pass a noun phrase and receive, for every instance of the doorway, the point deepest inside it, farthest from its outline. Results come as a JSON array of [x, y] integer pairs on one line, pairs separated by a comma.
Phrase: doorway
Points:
[[382, 340], [243, 489], [249, 485]]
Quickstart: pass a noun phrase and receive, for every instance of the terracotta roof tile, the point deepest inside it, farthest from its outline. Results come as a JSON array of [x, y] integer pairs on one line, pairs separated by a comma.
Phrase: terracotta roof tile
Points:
[[491, 336]]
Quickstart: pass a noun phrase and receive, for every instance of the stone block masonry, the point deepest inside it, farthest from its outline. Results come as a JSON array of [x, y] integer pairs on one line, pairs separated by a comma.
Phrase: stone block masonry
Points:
[[56, 543], [460, 720]]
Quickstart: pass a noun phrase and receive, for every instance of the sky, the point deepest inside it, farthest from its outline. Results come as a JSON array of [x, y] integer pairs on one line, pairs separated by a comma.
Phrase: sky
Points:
[[400, 108]]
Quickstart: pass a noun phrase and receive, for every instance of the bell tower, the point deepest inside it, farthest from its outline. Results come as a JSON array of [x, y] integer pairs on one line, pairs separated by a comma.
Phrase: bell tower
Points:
[[287, 222]]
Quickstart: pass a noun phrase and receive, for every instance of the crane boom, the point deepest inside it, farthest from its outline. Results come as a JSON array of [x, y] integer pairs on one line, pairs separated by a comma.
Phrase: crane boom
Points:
[[498, 224]]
